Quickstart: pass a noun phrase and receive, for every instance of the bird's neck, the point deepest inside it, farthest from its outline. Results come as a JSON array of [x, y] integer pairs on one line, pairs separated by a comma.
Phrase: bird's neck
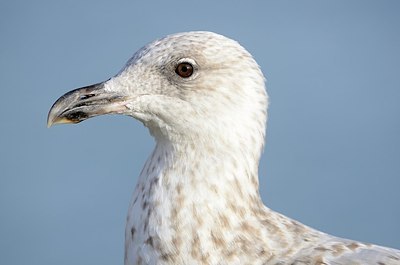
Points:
[[205, 173], [191, 198], [186, 190], [197, 179]]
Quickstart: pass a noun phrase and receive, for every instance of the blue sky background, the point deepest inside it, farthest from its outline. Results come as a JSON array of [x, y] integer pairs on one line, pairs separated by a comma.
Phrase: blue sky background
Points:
[[332, 158]]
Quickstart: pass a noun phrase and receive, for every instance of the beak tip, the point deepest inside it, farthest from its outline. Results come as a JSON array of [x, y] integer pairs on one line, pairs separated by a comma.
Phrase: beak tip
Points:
[[50, 118], [53, 120]]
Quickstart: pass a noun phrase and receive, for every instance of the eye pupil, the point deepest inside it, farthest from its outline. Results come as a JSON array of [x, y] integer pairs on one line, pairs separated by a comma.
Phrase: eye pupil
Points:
[[184, 70]]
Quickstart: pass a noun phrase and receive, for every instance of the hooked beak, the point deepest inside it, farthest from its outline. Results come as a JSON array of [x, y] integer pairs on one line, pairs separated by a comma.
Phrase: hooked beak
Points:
[[86, 102]]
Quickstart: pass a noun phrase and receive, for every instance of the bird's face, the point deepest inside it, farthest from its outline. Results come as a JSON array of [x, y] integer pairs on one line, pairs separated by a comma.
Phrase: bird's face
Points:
[[176, 85]]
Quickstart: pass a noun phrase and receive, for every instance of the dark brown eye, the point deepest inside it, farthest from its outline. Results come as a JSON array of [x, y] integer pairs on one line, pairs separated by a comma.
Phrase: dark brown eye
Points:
[[184, 70]]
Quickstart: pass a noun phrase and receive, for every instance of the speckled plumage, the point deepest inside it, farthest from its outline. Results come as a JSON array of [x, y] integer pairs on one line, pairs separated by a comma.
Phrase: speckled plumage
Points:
[[197, 199]]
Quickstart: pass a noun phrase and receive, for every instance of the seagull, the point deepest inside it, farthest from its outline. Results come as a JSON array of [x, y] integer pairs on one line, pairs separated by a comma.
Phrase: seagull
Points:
[[203, 98]]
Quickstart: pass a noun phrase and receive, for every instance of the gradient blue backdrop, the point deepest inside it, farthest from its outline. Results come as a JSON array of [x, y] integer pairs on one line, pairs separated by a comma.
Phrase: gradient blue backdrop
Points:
[[332, 157]]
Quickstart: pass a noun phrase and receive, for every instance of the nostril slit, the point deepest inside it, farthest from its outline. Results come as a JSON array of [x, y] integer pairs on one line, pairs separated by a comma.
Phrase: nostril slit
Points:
[[86, 96]]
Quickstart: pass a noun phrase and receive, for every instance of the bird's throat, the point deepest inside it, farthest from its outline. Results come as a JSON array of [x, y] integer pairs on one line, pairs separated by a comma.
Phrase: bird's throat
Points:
[[183, 191]]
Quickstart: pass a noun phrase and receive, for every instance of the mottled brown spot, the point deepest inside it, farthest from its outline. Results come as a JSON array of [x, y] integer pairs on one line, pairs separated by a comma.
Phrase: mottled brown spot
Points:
[[205, 258], [195, 166], [224, 221], [322, 249], [133, 231], [195, 247], [238, 210], [179, 201], [228, 97], [394, 257], [338, 249], [261, 252], [167, 257], [272, 227], [192, 145], [296, 227], [153, 183], [145, 204], [353, 246], [238, 187], [214, 189], [197, 216], [229, 254], [174, 213], [149, 241], [148, 215], [254, 181], [177, 242], [232, 205], [247, 228], [209, 149], [253, 138], [244, 244], [255, 201], [179, 188], [218, 240]]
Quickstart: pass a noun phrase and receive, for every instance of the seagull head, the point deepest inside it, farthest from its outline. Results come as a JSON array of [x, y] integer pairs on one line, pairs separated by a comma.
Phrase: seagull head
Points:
[[190, 85]]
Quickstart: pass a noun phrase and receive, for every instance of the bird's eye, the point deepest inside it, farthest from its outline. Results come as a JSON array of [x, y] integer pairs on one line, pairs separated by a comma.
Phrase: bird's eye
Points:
[[184, 70]]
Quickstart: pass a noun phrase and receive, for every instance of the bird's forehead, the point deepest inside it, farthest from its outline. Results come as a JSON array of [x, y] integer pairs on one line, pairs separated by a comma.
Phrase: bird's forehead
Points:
[[204, 47]]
